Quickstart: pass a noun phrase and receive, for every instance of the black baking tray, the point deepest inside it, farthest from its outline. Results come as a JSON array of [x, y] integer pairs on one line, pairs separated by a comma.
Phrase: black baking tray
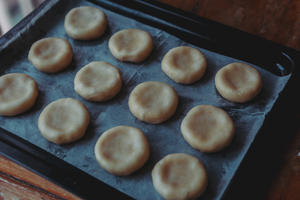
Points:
[[201, 32]]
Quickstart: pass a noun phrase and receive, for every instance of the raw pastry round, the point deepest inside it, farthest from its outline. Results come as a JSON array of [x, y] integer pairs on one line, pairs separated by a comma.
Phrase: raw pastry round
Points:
[[85, 23], [207, 128], [122, 150], [64, 121], [132, 45], [238, 82], [98, 81], [18, 93], [184, 64], [50, 54], [153, 102], [179, 176]]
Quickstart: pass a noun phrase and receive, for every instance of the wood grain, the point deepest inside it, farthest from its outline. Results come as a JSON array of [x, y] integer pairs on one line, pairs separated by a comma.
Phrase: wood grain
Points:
[[17, 182], [276, 20], [11, 189]]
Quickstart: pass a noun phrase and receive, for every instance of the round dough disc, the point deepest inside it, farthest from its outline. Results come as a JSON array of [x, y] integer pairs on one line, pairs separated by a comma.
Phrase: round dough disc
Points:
[[238, 82], [18, 93], [64, 121], [179, 176], [50, 54], [122, 150], [184, 64], [85, 23], [207, 128], [131, 45], [98, 81], [153, 102]]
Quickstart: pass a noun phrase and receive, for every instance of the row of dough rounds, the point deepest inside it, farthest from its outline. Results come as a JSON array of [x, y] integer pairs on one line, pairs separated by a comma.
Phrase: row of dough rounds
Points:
[[123, 150]]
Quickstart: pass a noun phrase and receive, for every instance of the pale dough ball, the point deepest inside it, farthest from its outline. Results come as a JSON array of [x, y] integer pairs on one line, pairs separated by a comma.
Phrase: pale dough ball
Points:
[[98, 81], [122, 150], [179, 176], [207, 128], [18, 93], [184, 64], [64, 121], [153, 102], [132, 45], [238, 82], [85, 23], [50, 54]]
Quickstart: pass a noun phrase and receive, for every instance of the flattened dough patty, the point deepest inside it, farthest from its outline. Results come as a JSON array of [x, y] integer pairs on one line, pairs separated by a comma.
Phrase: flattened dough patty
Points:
[[122, 150], [85, 23], [238, 82], [153, 102], [131, 45], [64, 121], [50, 54], [18, 93], [184, 64], [98, 81], [179, 176], [207, 128]]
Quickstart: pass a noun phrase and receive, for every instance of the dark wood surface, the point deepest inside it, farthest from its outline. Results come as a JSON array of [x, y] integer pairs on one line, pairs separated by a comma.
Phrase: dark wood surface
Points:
[[276, 20]]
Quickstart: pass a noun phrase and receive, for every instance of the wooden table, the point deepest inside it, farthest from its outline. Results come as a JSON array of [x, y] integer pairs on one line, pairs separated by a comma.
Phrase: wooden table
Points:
[[276, 20]]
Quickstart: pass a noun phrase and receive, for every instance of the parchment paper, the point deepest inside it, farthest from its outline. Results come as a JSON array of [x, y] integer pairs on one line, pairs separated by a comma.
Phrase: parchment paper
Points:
[[164, 138]]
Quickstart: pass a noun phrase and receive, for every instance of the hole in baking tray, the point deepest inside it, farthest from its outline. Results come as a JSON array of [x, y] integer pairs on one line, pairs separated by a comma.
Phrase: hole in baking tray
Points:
[[284, 64]]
